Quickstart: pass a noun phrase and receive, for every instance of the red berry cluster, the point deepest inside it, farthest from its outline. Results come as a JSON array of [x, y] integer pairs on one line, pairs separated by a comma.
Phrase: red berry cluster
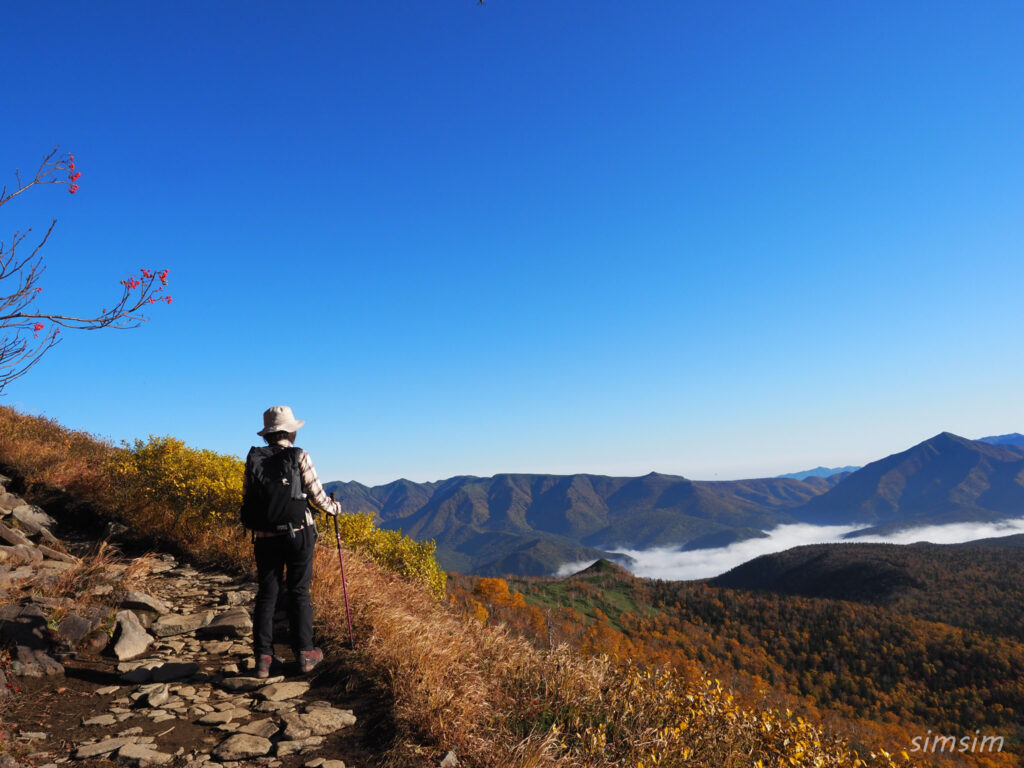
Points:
[[134, 282], [73, 175]]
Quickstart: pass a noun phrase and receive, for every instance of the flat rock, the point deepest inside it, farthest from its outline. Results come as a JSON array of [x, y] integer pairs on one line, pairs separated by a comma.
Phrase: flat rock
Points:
[[325, 720], [142, 755], [133, 639], [223, 716], [319, 762], [104, 747], [176, 624], [450, 760], [140, 601], [242, 746], [265, 728], [100, 720], [238, 684], [13, 537], [282, 691], [53, 554], [234, 622], [174, 670], [285, 748]]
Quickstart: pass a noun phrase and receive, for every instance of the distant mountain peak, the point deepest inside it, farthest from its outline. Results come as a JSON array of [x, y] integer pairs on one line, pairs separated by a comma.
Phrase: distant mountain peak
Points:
[[1013, 438], [818, 472]]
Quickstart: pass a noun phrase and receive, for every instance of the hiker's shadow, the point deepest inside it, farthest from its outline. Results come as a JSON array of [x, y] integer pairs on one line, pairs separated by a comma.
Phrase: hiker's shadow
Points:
[[95, 676]]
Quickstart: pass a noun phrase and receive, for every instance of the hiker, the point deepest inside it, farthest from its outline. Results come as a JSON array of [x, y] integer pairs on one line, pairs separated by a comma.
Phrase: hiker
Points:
[[279, 489]]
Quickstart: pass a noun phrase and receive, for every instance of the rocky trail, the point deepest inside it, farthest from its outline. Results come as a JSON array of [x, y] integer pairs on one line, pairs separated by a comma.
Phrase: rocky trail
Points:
[[144, 660]]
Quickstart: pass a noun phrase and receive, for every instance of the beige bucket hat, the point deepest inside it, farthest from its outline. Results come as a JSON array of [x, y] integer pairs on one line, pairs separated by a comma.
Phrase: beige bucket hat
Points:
[[279, 419]]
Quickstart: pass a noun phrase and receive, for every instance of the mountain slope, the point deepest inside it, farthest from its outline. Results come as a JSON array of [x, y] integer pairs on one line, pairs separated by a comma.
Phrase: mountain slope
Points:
[[944, 479]]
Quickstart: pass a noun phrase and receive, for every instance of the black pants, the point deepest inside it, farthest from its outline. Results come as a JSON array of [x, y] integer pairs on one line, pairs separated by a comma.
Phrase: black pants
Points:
[[280, 561]]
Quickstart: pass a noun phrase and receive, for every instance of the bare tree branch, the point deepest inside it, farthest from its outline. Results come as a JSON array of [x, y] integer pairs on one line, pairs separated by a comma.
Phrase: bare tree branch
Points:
[[21, 323]]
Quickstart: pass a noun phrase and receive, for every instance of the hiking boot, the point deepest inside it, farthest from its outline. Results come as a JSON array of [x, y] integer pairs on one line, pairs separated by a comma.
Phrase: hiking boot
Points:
[[263, 662], [309, 659]]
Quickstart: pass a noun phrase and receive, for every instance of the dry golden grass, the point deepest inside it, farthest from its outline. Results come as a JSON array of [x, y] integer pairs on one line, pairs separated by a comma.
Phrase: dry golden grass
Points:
[[458, 683]]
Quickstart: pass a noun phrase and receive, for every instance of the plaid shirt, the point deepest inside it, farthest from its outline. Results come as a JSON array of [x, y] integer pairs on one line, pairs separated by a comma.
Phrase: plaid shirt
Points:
[[316, 497]]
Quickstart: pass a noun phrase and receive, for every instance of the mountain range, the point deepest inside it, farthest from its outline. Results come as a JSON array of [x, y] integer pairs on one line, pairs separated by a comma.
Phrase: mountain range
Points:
[[531, 524]]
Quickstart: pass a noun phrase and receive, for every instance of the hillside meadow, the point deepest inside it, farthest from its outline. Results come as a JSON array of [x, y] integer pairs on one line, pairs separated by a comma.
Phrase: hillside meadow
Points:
[[458, 680]]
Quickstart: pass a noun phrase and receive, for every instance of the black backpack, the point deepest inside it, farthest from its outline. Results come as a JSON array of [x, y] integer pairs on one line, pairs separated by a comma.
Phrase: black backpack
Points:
[[273, 499]]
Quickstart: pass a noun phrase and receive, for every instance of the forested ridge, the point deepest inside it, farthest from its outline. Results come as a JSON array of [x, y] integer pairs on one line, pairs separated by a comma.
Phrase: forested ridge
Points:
[[942, 653]]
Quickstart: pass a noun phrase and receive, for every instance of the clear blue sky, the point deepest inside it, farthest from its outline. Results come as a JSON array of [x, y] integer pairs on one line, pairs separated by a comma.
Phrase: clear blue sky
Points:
[[712, 239]]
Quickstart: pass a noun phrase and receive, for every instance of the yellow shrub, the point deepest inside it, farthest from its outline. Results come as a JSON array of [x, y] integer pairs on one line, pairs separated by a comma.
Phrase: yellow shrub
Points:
[[195, 485], [186, 488], [390, 549]]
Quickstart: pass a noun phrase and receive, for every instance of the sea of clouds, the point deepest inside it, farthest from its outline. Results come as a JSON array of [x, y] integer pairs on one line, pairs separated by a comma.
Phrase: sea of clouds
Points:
[[673, 564]]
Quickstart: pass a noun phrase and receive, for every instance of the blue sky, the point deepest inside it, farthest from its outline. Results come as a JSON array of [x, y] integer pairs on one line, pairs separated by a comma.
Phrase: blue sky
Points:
[[712, 239]]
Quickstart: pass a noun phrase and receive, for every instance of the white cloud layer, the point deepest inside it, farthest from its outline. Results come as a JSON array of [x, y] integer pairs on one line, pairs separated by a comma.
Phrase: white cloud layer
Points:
[[672, 564]]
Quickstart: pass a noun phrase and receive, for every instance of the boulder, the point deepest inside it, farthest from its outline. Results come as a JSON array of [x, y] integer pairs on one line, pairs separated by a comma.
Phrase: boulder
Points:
[[33, 519], [133, 640], [140, 674], [158, 696], [233, 623], [9, 501], [74, 628], [242, 746]]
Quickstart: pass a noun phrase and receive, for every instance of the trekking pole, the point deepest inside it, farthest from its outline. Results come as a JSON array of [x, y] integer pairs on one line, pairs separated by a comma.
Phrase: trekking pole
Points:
[[344, 586]]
